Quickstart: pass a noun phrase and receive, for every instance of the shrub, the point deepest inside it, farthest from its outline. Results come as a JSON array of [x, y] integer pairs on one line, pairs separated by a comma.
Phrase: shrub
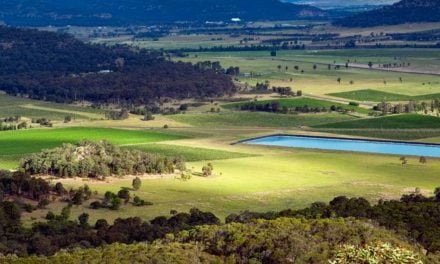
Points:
[[137, 183], [207, 170], [139, 202], [353, 103], [43, 203], [124, 194], [378, 253], [96, 205]]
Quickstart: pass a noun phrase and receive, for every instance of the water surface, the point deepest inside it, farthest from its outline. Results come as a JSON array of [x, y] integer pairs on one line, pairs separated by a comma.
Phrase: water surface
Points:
[[357, 145]]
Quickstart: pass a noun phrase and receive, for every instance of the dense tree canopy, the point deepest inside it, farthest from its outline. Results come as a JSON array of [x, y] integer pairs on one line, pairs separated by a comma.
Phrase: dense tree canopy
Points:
[[141, 12], [97, 160], [57, 67], [405, 11], [415, 215], [262, 241]]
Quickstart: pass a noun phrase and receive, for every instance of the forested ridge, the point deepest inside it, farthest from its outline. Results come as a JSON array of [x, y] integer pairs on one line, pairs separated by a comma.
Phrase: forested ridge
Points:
[[405, 11], [141, 12], [58, 67], [282, 240]]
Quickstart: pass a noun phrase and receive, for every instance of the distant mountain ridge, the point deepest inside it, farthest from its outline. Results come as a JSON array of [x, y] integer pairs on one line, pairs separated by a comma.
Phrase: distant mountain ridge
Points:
[[342, 3], [135, 12], [405, 11]]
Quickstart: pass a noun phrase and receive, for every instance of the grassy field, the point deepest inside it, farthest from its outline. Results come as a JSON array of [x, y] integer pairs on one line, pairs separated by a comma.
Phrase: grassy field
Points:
[[17, 106], [245, 177], [397, 134], [260, 66], [404, 121], [378, 96], [190, 153], [14, 144], [300, 102], [275, 180], [245, 119]]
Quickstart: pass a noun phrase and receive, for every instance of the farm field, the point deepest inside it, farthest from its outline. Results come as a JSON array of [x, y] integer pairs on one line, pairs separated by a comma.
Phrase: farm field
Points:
[[244, 177], [379, 96], [243, 119], [404, 121], [424, 135], [14, 144], [190, 153], [259, 66], [264, 179], [28, 108]]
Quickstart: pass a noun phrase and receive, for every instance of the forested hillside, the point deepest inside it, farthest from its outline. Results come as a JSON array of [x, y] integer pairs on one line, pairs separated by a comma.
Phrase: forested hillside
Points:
[[55, 67], [123, 12], [405, 11]]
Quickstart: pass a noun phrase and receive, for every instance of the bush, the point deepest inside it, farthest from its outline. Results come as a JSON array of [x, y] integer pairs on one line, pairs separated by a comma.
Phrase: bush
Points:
[[139, 202], [137, 183], [124, 194], [67, 119], [115, 203], [378, 253], [43, 203], [148, 116], [50, 215], [353, 103], [83, 219], [207, 170], [96, 205]]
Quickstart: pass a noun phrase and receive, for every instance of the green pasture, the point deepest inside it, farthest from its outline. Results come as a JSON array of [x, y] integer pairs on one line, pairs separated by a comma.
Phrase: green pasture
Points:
[[404, 121], [278, 179], [257, 119], [14, 144], [24, 107], [259, 66], [396, 134], [190, 153], [378, 96]]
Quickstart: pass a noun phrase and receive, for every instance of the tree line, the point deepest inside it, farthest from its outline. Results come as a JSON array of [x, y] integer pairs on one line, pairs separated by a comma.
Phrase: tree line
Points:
[[331, 241], [276, 107]]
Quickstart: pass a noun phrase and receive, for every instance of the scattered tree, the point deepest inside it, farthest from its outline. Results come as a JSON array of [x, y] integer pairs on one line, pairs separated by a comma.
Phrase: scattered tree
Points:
[[136, 184]]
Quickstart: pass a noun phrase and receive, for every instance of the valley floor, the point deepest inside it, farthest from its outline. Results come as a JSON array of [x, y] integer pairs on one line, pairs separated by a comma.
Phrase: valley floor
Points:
[[247, 177]]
